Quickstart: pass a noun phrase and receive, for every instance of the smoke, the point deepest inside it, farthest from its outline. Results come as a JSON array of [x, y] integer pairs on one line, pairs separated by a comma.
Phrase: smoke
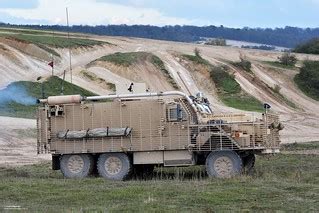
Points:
[[16, 93]]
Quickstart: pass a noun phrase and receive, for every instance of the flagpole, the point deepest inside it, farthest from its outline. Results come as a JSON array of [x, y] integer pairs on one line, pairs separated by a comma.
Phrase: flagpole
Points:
[[70, 57], [52, 65]]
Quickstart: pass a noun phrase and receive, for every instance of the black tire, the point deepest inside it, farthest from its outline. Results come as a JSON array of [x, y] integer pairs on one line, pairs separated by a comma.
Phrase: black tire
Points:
[[249, 164], [76, 165], [114, 166], [223, 164]]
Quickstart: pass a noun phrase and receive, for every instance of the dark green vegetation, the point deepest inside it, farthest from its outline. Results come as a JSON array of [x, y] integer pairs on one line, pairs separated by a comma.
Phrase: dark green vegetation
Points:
[[130, 58], [308, 79], [243, 64], [309, 47], [229, 91], [34, 89], [216, 42], [47, 42], [280, 183], [261, 47], [285, 37], [301, 146], [197, 59], [279, 65]]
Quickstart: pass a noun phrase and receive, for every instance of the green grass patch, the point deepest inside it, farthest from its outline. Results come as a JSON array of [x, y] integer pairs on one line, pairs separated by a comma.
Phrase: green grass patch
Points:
[[308, 79], [47, 42], [280, 183], [34, 89], [243, 102], [243, 64], [300, 146], [197, 59], [24, 31], [279, 65], [125, 59]]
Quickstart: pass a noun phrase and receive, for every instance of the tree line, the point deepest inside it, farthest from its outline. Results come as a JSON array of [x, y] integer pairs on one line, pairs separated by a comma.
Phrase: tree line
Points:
[[286, 37]]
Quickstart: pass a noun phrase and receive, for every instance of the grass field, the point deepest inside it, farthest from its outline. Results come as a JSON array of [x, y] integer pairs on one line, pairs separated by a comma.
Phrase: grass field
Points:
[[34, 89], [280, 183]]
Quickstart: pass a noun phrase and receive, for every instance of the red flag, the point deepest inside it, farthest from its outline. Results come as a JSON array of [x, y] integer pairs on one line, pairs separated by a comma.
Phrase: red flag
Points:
[[51, 64]]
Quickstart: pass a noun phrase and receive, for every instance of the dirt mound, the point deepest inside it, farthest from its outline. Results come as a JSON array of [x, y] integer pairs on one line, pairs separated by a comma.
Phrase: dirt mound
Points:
[[27, 48], [143, 70], [18, 142]]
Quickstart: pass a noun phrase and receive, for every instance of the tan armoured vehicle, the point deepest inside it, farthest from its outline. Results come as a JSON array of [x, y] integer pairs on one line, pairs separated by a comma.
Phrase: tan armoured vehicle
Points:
[[116, 134]]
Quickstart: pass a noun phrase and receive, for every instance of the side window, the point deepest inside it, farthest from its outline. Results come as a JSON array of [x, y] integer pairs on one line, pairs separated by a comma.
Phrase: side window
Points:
[[176, 113]]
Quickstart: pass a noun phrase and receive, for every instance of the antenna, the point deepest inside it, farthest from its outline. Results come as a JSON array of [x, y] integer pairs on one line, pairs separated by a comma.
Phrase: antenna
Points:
[[70, 58], [52, 58], [62, 83]]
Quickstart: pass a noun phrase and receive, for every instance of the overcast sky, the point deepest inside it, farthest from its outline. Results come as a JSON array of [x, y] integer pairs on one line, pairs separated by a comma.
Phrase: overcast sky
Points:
[[231, 13]]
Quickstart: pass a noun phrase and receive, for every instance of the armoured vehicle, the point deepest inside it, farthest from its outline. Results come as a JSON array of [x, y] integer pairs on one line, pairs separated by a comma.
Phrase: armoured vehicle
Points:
[[115, 134]]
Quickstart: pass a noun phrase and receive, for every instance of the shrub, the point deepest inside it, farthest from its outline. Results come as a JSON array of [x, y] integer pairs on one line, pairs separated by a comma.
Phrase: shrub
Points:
[[308, 79], [216, 42], [243, 64], [287, 59]]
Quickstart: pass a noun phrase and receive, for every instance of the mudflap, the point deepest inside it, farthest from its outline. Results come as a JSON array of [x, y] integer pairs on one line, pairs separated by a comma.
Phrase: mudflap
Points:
[[55, 162]]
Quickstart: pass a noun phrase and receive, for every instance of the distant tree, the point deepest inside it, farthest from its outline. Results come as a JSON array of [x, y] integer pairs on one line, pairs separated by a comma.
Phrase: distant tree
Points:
[[286, 37], [216, 42], [309, 47], [261, 47], [308, 79], [197, 52], [243, 64], [288, 59]]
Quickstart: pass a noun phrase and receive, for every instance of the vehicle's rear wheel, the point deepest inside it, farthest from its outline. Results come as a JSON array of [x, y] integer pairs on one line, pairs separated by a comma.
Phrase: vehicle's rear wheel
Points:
[[249, 163], [223, 164], [114, 166], [76, 166]]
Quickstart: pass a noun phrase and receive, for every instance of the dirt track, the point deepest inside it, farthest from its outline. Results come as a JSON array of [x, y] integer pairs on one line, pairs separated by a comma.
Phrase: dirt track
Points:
[[18, 142], [302, 123]]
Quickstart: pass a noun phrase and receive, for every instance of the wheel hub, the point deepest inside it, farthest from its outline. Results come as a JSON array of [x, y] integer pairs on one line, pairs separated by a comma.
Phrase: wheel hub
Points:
[[113, 165], [75, 164], [223, 166]]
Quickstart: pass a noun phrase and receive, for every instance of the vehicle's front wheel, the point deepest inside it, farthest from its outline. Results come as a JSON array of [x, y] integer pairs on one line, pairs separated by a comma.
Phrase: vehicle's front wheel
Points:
[[76, 166], [223, 164], [114, 166]]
